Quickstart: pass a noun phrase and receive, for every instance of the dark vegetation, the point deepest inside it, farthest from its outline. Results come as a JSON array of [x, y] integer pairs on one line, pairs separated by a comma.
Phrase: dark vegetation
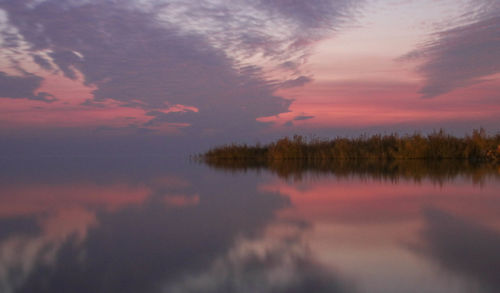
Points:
[[437, 155], [435, 146]]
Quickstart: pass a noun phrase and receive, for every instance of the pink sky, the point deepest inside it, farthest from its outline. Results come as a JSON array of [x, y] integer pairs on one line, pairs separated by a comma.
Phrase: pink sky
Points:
[[305, 67]]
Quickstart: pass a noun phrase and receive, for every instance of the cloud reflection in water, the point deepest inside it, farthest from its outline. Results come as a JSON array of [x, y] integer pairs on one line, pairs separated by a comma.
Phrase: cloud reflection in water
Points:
[[153, 225]]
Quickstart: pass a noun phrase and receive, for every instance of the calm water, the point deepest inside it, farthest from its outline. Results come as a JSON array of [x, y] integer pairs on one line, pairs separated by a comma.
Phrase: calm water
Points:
[[163, 225]]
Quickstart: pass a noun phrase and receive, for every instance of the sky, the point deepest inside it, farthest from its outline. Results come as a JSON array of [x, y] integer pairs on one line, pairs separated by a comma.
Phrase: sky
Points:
[[169, 76]]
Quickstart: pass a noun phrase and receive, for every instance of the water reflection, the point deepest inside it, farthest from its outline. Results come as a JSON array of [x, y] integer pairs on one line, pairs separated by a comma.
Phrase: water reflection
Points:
[[438, 171], [388, 236], [463, 246], [278, 261], [163, 225]]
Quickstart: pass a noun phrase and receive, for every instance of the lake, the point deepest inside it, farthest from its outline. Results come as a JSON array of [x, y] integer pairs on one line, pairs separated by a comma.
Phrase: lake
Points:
[[163, 224]]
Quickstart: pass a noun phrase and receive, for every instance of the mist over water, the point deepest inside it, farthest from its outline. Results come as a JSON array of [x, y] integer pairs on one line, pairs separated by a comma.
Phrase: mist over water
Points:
[[158, 224]]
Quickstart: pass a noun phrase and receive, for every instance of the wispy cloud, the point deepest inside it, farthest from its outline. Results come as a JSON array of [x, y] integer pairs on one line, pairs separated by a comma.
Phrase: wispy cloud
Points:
[[296, 82], [289, 123], [212, 55], [271, 29], [462, 55], [303, 117]]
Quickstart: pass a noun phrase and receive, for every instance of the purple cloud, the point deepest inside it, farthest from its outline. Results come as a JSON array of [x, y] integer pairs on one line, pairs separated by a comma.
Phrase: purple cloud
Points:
[[313, 13], [289, 123], [23, 87], [278, 30], [130, 58], [302, 117], [296, 82], [42, 62], [155, 54], [463, 55]]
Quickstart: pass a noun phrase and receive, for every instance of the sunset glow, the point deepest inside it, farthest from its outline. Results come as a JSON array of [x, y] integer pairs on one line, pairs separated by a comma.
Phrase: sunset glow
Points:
[[246, 69]]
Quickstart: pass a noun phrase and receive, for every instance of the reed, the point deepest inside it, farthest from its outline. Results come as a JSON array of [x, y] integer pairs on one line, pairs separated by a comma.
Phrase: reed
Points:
[[438, 145]]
